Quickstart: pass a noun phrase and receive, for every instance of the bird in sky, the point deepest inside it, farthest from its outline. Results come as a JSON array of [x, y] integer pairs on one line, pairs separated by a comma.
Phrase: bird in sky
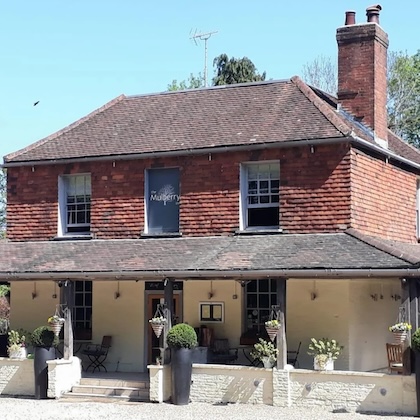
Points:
[[36, 103]]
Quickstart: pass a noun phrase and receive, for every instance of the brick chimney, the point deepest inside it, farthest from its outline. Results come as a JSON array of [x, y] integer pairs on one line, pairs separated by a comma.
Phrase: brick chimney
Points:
[[362, 68]]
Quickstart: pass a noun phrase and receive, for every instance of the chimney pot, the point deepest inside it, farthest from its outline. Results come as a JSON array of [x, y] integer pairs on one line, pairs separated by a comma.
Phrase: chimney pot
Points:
[[350, 18], [372, 13]]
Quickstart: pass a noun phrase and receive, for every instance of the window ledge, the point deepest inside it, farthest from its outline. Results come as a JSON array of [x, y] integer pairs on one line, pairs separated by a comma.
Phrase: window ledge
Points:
[[75, 237], [259, 232], [161, 235]]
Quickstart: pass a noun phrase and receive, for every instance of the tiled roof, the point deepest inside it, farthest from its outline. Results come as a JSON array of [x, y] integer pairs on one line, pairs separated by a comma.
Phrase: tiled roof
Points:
[[219, 256], [246, 114], [233, 115]]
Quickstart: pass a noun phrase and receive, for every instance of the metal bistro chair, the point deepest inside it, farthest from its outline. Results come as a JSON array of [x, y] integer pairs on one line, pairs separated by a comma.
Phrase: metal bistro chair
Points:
[[97, 353], [292, 356]]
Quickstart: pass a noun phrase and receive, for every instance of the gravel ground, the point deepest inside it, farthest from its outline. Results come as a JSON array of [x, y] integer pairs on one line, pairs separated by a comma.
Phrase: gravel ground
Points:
[[27, 408]]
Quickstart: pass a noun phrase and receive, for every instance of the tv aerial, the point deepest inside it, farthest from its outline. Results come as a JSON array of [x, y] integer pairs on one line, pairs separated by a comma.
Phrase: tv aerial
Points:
[[203, 37]]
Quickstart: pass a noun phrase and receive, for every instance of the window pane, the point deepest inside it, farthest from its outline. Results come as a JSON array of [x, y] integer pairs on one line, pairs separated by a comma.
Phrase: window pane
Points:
[[163, 200], [265, 216]]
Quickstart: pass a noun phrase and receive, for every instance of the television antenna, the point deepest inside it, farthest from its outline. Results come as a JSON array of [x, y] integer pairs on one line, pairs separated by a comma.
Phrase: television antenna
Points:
[[203, 37]]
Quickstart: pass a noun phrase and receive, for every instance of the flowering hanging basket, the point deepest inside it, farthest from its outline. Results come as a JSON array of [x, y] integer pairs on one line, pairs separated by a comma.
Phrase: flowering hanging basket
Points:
[[400, 337], [55, 323], [157, 323], [272, 332], [157, 328]]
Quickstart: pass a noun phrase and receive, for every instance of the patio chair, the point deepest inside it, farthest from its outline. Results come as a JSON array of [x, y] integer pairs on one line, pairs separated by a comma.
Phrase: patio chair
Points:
[[97, 353], [221, 353], [395, 357], [292, 356]]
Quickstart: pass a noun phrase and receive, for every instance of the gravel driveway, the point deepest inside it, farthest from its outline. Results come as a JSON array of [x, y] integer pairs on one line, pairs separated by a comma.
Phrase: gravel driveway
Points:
[[26, 408]]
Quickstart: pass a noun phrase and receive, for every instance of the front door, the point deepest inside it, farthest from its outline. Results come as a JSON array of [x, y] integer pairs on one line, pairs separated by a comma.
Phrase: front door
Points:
[[155, 344]]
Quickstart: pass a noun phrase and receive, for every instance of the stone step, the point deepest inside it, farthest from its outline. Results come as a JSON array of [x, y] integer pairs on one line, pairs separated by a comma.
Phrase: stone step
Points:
[[102, 397], [109, 389], [111, 382]]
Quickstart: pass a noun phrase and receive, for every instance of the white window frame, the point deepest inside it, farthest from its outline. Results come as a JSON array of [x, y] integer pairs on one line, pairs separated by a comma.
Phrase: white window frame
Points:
[[63, 226], [243, 200]]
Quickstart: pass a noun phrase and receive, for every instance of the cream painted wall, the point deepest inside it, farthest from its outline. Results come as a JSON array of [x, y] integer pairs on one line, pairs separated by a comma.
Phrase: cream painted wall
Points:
[[28, 313], [123, 319], [223, 291], [367, 344], [325, 316]]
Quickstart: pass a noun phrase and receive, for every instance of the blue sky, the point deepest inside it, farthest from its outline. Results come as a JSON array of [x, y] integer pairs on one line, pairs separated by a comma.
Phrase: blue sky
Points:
[[74, 56]]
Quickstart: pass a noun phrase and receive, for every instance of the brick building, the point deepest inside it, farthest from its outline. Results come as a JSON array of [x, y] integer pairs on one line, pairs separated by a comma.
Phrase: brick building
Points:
[[230, 200]]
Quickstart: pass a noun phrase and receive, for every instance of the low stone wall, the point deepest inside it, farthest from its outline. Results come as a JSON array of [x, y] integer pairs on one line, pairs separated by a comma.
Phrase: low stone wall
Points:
[[62, 375], [333, 391], [17, 377], [348, 391]]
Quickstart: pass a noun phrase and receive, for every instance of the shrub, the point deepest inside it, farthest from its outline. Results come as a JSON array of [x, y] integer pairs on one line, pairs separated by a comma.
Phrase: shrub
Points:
[[415, 340], [264, 349], [182, 336], [44, 337]]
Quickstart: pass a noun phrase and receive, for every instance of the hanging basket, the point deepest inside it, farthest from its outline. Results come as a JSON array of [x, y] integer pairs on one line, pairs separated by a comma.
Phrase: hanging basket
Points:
[[157, 328], [400, 337], [55, 327], [272, 332]]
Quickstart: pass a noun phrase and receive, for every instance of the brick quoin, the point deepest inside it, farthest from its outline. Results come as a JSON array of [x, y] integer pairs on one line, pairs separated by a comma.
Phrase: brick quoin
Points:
[[317, 186]]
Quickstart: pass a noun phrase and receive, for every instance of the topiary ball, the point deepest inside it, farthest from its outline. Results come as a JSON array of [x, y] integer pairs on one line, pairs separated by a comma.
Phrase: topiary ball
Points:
[[44, 337], [182, 336]]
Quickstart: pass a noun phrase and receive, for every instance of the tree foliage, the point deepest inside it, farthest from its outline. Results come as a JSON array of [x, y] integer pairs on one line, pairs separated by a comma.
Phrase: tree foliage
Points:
[[404, 96], [403, 90], [233, 70], [2, 203], [321, 73], [193, 82], [227, 72]]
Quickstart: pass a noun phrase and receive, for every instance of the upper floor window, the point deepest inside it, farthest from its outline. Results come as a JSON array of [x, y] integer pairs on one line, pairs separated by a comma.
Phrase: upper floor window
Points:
[[74, 203], [162, 201], [260, 195]]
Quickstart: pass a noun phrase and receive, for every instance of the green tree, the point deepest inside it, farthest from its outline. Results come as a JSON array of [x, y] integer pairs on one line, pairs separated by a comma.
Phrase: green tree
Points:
[[321, 73], [3, 196], [193, 82], [404, 96], [231, 71]]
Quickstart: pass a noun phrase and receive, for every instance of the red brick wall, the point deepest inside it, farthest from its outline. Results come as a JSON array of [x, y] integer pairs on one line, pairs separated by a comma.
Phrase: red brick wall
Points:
[[314, 194], [362, 68], [383, 199], [315, 189]]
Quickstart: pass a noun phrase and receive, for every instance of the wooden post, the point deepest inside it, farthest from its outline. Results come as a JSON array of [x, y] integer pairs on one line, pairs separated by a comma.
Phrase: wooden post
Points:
[[68, 300], [169, 310], [281, 336]]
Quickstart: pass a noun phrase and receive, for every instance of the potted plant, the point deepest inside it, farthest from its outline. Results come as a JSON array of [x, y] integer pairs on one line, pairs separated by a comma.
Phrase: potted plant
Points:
[[157, 323], [181, 339], [272, 327], [266, 352], [55, 323], [16, 348], [400, 331], [325, 351], [44, 341]]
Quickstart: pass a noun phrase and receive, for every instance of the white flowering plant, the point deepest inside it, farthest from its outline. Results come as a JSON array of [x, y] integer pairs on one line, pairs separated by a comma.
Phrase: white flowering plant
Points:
[[158, 320], [400, 327], [273, 323]]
